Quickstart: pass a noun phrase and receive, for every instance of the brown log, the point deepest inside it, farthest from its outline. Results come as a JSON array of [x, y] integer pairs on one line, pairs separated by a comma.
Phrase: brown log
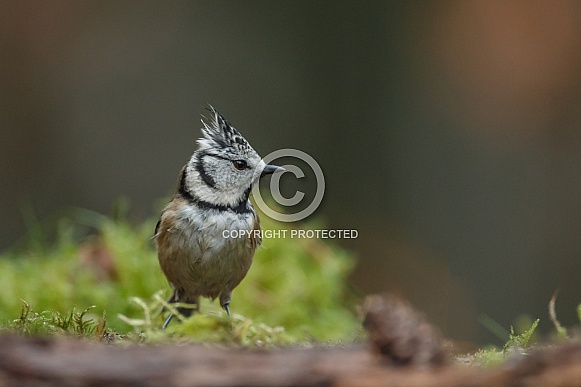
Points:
[[73, 362]]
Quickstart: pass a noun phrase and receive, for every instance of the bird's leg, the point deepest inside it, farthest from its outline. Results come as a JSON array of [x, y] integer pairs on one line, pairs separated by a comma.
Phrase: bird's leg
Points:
[[225, 302], [227, 308], [172, 298], [166, 323], [185, 312]]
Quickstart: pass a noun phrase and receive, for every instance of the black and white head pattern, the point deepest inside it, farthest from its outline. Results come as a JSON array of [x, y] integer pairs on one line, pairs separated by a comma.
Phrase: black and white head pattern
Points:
[[223, 168]]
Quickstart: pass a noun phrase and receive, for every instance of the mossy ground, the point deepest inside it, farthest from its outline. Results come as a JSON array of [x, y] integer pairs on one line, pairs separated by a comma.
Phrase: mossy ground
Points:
[[103, 272], [99, 277]]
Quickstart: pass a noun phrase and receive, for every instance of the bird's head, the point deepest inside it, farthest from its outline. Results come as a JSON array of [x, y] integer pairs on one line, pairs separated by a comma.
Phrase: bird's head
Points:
[[224, 167]]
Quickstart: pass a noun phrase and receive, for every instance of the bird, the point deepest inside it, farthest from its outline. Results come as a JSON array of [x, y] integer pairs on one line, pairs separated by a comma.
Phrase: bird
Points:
[[211, 201]]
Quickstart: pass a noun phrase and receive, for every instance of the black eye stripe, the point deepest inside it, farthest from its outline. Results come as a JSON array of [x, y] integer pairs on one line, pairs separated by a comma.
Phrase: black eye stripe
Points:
[[202, 171], [232, 161]]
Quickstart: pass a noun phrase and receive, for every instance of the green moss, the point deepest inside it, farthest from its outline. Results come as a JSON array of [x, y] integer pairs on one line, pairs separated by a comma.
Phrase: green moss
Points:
[[50, 322], [209, 327], [521, 340], [517, 344], [296, 289]]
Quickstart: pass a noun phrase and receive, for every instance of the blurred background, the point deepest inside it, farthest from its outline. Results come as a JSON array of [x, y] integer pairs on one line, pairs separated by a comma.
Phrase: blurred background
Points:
[[449, 132]]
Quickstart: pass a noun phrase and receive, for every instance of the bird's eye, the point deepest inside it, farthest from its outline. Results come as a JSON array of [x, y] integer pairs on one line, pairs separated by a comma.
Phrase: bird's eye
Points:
[[239, 164]]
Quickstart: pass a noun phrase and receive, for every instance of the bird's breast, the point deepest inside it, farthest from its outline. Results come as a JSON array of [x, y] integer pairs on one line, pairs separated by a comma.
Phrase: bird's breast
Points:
[[211, 235]]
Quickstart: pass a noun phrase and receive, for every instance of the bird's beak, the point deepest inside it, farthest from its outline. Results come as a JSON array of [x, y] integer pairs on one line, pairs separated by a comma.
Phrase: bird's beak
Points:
[[269, 169]]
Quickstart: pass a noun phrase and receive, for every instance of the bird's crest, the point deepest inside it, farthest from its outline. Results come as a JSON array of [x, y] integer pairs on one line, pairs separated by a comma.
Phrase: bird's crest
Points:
[[220, 135]]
